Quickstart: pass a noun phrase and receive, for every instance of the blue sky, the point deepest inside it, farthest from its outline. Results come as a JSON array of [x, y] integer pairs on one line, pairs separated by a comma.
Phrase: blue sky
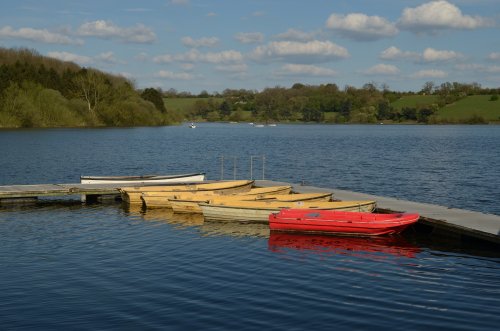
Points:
[[212, 45]]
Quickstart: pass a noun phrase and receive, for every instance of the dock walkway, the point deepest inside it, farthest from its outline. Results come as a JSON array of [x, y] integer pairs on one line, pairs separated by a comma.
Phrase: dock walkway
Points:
[[10, 192]]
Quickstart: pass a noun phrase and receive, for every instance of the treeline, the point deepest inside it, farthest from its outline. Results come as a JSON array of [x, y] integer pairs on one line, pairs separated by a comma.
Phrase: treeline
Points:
[[37, 91], [326, 103]]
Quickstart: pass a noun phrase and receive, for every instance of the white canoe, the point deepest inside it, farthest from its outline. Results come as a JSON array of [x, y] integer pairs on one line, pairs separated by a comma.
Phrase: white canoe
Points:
[[147, 179]]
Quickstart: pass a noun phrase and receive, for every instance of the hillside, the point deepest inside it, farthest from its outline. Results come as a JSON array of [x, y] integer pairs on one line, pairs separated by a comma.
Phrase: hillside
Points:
[[469, 107], [37, 91], [414, 101]]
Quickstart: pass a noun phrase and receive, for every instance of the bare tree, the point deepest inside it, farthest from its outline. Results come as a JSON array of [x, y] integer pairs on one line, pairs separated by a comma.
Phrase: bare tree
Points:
[[91, 86]]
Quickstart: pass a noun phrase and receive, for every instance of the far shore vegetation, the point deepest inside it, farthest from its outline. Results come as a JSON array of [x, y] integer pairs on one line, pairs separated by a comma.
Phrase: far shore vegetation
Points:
[[38, 91]]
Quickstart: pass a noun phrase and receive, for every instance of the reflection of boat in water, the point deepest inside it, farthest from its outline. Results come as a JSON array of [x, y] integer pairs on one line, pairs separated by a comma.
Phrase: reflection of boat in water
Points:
[[362, 246], [168, 216], [235, 229], [182, 221]]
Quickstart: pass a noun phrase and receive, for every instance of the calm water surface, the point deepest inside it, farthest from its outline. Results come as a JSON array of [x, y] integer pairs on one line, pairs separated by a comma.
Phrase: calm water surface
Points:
[[71, 266]]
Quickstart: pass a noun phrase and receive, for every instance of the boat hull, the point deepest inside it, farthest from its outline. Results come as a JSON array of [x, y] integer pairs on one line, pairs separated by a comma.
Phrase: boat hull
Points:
[[167, 199], [338, 222], [191, 205], [148, 179], [133, 195], [258, 211]]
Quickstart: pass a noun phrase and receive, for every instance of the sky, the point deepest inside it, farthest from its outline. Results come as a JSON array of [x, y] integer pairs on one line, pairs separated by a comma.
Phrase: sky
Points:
[[213, 45]]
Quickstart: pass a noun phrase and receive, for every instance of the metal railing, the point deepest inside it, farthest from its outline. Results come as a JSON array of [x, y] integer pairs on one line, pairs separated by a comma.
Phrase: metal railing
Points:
[[223, 159]]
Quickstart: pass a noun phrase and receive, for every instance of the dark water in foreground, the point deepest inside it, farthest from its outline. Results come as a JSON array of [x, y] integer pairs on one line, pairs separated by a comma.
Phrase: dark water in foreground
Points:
[[70, 266]]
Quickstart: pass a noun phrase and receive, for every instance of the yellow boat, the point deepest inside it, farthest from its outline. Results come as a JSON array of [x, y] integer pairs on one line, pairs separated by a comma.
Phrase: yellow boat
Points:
[[320, 196], [132, 195], [259, 211], [190, 204], [161, 199]]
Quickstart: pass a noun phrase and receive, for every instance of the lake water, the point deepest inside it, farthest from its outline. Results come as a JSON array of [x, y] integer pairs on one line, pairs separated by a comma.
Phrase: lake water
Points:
[[67, 265]]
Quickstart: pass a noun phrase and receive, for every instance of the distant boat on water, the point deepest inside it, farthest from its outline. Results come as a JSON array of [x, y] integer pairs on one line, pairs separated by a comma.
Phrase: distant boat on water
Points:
[[192, 126]]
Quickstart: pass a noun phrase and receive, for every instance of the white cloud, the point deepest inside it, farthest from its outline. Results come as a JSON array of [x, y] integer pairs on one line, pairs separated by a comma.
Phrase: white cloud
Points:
[[493, 69], [179, 2], [249, 37], [307, 70], [202, 42], [296, 35], [127, 75], [38, 35], [433, 55], [196, 56], [298, 52], [478, 68], [394, 53], [142, 57], [233, 68], [70, 57], [187, 66], [108, 57], [430, 73], [439, 15], [361, 27], [138, 10], [494, 56], [382, 69], [427, 56], [174, 75], [107, 30], [258, 13]]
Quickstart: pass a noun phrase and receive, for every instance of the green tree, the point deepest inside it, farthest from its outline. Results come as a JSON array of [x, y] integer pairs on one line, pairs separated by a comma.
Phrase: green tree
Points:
[[225, 109], [154, 96]]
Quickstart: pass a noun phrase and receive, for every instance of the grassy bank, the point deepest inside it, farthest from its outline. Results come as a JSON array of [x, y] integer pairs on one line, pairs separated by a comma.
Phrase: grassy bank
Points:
[[414, 101], [475, 105]]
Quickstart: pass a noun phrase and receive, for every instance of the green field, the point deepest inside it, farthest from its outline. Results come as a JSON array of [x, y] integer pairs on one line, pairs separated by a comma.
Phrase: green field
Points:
[[179, 104], [414, 101], [475, 105]]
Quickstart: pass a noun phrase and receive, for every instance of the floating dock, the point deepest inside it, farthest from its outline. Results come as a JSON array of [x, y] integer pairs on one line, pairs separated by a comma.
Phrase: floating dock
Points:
[[459, 224], [13, 193]]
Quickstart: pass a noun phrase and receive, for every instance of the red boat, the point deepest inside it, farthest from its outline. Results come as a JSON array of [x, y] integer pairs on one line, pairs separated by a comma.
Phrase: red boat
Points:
[[340, 222]]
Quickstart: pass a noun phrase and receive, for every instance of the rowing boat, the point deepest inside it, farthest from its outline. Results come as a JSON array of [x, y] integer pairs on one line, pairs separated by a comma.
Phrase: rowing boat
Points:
[[340, 222], [162, 199], [259, 211], [133, 195], [190, 204], [146, 179]]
